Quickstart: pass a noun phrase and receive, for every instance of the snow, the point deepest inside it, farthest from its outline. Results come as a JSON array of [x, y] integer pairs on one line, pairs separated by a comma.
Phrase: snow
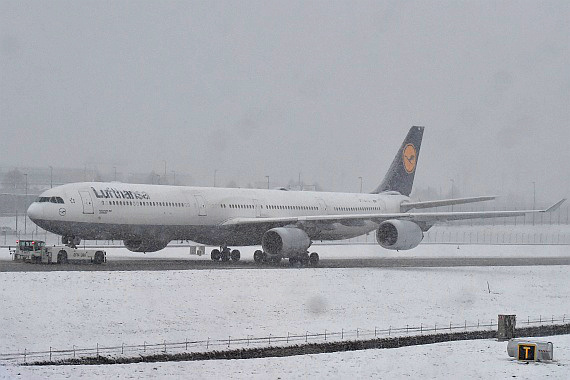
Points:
[[62, 309], [481, 359]]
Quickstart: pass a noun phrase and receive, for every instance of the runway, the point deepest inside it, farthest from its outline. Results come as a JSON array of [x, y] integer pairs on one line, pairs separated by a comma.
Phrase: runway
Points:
[[200, 264]]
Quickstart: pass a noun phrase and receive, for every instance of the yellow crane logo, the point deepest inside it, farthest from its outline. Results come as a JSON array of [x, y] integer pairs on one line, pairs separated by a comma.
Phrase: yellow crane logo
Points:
[[409, 158]]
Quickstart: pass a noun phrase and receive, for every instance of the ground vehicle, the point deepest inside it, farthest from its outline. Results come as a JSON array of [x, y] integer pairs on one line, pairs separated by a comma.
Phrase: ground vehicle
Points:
[[36, 251]]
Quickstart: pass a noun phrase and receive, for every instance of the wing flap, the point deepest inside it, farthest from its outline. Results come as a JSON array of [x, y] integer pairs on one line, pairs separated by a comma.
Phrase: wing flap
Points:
[[444, 202]]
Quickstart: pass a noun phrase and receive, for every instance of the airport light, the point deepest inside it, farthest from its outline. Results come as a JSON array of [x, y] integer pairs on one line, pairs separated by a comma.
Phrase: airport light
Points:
[[452, 183], [533, 199], [25, 202], [360, 178]]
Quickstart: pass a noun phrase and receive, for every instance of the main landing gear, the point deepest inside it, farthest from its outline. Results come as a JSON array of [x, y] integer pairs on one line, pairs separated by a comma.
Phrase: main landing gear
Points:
[[304, 259], [225, 254]]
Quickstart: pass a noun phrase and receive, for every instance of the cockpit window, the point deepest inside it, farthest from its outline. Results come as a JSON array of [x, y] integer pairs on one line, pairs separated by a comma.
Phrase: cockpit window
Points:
[[50, 199]]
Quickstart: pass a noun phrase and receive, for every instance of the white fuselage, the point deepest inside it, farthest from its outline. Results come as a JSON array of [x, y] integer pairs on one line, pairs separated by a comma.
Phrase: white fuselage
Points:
[[120, 211]]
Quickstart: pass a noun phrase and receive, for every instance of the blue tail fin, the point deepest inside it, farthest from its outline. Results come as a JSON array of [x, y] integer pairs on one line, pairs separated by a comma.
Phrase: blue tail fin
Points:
[[400, 176]]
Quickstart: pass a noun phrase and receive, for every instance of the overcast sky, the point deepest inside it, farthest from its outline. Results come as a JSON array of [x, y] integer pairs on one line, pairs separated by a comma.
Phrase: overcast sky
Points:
[[325, 88]]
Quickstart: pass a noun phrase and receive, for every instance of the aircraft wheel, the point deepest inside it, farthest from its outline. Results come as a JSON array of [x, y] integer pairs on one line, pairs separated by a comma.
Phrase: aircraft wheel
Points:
[[235, 255], [314, 259], [226, 254], [275, 260], [99, 257], [258, 256], [304, 259], [215, 255]]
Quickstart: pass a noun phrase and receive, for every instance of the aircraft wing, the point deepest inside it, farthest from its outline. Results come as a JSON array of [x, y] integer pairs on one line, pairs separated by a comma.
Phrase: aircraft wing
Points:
[[444, 202], [428, 218]]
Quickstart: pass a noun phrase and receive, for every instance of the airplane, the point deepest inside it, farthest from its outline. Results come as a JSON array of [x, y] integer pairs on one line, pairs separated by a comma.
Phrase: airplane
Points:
[[284, 223]]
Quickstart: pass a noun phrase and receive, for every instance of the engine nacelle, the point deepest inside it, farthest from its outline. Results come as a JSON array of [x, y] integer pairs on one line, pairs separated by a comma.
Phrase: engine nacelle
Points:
[[145, 245], [285, 242], [399, 234]]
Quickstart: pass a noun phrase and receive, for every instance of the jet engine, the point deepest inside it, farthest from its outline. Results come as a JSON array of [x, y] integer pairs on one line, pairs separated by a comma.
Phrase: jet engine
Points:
[[145, 245], [285, 242], [399, 234]]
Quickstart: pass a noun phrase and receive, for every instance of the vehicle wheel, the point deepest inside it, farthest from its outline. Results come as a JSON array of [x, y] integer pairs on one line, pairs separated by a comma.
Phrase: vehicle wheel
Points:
[[226, 254], [99, 257], [314, 259], [293, 261], [258, 256], [216, 255], [235, 255], [62, 257]]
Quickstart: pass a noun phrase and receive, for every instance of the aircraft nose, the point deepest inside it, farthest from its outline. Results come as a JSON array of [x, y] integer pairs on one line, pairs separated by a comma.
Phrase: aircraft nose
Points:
[[35, 211]]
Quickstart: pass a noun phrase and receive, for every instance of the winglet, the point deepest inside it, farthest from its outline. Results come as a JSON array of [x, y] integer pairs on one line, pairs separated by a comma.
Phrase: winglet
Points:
[[555, 206]]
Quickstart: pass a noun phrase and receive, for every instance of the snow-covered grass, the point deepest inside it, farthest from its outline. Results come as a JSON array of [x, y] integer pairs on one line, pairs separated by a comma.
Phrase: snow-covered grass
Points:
[[62, 309], [482, 359]]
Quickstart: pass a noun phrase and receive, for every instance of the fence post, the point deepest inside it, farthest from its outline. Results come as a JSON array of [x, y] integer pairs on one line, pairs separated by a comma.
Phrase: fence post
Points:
[[269, 339], [389, 330], [165, 346], [406, 329], [144, 346], [229, 340], [208, 343], [421, 328], [74, 351], [374, 331], [97, 351], [186, 344], [122, 348], [449, 326], [326, 334], [50, 353], [435, 330], [357, 333], [342, 334], [540, 319], [287, 336], [306, 336], [477, 324], [465, 325], [25, 352]]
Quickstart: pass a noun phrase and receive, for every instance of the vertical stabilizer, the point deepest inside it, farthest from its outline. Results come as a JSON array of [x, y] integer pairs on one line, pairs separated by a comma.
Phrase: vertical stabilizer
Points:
[[400, 176]]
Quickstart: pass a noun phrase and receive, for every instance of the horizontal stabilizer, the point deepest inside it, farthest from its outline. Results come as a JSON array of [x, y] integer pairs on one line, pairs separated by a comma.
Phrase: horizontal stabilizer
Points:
[[555, 206], [444, 202]]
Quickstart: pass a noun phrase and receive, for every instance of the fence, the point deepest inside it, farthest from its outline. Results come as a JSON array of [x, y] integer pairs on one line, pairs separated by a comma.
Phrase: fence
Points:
[[190, 346]]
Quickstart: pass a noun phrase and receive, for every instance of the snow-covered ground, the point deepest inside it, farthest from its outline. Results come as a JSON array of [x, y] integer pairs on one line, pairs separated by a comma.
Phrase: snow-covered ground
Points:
[[82, 309], [482, 359]]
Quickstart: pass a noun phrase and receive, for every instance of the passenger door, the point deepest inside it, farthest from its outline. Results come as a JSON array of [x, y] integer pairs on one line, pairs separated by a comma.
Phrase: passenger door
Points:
[[201, 205], [86, 201]]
